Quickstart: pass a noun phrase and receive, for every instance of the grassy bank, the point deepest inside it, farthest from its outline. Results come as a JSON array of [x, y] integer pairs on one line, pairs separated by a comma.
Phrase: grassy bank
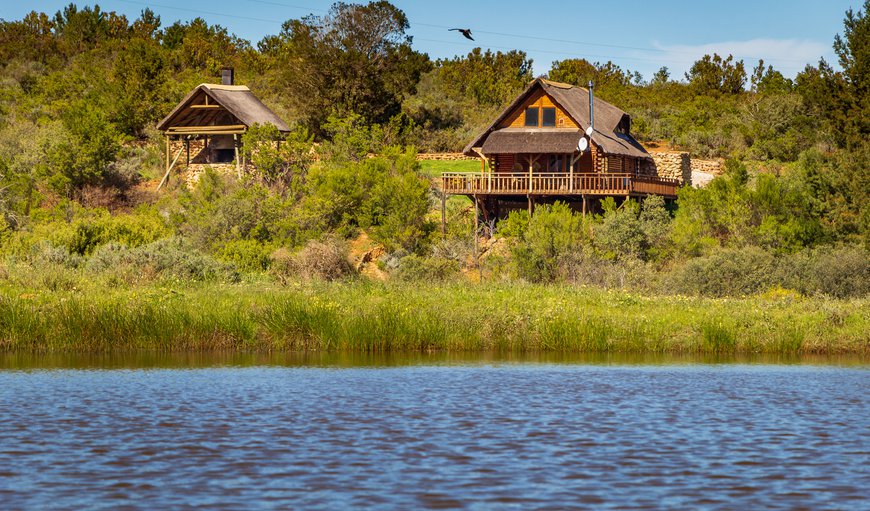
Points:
[[361, 316]]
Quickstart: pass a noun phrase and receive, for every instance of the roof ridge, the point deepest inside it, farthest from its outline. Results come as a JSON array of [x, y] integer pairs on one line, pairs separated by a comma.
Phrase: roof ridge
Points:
[[560, 85], [218, 86]]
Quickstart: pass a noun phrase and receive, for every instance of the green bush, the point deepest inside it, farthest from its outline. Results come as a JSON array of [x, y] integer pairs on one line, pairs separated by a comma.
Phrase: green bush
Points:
[[728, 272], [166, 258], [842, 272], [247, 255], [426, 269], [552, 233], [88, 229]]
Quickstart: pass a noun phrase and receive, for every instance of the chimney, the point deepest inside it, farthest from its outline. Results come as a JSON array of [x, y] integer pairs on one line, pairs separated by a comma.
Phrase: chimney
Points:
[[591, 105], [227, 76]]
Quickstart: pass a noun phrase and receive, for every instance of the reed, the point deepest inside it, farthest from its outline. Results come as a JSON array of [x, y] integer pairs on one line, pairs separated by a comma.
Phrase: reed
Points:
[[380, 318]]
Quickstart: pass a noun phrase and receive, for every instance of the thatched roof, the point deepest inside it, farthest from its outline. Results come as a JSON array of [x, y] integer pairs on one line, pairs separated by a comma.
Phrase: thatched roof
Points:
[[532, 140], [575, 102], [237, 100]]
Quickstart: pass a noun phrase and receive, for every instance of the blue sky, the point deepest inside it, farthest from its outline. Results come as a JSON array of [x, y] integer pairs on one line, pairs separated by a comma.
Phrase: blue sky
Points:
[[634, 34]]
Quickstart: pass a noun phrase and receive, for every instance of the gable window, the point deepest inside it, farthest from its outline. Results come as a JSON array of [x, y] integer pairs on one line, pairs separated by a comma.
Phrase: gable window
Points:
[[549, 117], [532, 117]]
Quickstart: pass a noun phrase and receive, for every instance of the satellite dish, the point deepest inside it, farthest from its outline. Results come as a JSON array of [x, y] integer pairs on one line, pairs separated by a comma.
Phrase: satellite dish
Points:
[[582, 145], [590, 130]]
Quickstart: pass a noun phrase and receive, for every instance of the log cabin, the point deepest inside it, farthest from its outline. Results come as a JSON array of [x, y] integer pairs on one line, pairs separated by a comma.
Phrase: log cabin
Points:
[[207, 125], [557, 142]]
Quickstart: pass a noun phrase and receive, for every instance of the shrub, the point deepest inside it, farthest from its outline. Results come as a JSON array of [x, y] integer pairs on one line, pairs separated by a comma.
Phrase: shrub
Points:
[[325, 259], [166, 258], [44, 254], [727, 272], [841, 272], [428, 269], [620, 234], [584, 268], [247, 255], [552, 232]]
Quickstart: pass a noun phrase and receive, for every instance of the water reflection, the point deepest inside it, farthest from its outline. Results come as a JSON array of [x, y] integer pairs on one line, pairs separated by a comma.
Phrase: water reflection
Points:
[[181, 360]]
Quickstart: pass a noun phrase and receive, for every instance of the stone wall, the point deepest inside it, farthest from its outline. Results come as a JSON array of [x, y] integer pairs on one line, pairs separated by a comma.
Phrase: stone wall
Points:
[[674, 165], [444, 156], [191, 174], [709, 166]]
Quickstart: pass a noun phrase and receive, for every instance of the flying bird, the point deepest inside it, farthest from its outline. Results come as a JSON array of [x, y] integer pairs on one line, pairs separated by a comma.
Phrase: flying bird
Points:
[[464, 31]]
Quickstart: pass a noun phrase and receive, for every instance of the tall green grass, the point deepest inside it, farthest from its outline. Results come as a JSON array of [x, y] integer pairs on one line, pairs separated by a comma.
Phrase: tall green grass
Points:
[[380, 318]]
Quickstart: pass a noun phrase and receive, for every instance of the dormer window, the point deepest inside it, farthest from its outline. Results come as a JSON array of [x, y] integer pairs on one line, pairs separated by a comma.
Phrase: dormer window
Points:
[[549, 117], [532, 117]]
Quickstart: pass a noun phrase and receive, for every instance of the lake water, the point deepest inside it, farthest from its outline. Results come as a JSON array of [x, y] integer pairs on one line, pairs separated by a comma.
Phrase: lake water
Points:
[[334, 432]]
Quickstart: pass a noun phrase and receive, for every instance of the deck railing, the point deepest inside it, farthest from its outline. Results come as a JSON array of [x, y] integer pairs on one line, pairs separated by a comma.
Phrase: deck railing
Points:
[[555, 183]]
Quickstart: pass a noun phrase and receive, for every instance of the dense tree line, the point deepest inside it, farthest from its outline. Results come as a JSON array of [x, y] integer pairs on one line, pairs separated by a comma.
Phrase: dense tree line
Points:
[[82, 89]]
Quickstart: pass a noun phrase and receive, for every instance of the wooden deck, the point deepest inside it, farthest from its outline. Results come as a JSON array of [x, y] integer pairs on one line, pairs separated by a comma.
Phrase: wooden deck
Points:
[[521, 183]]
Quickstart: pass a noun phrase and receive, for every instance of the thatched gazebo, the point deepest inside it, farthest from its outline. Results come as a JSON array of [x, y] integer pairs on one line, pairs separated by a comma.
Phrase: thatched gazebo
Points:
[[208, 123]]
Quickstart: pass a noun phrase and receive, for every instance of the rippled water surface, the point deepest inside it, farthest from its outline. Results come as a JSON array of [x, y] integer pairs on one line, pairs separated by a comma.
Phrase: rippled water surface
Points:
[[468, 435]]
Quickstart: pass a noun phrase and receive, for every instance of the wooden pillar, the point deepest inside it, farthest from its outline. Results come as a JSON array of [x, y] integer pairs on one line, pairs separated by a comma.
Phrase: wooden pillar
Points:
[[531, 164], [187, 147], [531, 205], [476, 246], [205, 150], [570, 162], [584, 204], [236, 149]]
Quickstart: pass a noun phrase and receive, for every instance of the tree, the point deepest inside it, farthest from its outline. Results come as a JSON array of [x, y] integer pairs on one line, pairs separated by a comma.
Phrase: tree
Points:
[[490, 79], [82, 30], [85, 155], [607, 76], [715, 74], [147, 25], [198, 45], [853, 51], [28, 39], [661, 77], [769, 81], [139, 83], [357, 59]]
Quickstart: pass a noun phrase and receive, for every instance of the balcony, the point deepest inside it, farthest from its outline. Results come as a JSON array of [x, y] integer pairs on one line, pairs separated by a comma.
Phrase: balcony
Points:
[[559, 183]]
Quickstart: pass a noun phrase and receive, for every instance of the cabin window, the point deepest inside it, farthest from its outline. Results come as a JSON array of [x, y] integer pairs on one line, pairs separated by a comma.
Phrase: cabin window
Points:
[[532, 117], [549, 117]]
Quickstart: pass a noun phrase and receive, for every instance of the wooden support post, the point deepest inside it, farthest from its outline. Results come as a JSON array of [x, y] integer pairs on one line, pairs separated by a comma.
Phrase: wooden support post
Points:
[[166, 168], [531, 205], [476, 246], [236, 149], [584, 205], [205, 150], [531, 164], [187, 146], [571, 173], [443, 214], [169, 169]]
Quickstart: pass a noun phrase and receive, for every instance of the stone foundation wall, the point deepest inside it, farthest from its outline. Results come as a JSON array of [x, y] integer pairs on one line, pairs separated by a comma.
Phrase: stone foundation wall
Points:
[[674, 165], [709, 166], [444, 156], [191, 174]]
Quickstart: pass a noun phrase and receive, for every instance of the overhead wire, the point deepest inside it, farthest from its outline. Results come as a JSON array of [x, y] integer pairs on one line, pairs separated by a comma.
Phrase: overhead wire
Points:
[[462, 43]]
